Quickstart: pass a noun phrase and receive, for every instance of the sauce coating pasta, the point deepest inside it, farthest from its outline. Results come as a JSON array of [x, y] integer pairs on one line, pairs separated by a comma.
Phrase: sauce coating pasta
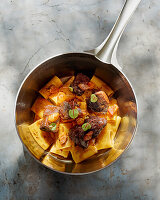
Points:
[[77, 118]]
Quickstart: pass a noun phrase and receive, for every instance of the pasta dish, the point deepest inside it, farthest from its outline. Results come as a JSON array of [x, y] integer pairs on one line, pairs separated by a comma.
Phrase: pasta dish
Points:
[[75, 118]]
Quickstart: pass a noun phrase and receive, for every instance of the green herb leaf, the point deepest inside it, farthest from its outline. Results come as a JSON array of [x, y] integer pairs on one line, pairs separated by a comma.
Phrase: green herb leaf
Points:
[[93, 98], [73, 113], [52, 126], [71, 89], [86, 126]]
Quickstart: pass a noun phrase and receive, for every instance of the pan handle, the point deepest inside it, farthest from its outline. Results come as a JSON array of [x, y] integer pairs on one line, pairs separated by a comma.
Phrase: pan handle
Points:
[[106, 52]]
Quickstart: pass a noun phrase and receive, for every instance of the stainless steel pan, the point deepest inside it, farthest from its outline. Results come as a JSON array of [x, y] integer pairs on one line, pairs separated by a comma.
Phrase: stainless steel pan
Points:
[[103, 63]]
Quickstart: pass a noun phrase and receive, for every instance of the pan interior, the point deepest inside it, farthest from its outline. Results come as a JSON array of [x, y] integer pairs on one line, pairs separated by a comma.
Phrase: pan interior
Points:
[[66, 65]]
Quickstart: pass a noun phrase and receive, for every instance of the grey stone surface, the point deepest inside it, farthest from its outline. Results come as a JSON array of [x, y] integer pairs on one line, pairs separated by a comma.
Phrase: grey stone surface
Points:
[[31, 31]]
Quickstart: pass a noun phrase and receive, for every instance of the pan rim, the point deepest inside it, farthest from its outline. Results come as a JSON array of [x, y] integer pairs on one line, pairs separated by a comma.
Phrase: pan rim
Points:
[[15, 107]]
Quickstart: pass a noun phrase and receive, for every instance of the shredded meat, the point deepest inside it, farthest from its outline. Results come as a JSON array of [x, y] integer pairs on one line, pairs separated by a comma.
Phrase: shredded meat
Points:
[[101, 105], [80, 84], [81, 137]]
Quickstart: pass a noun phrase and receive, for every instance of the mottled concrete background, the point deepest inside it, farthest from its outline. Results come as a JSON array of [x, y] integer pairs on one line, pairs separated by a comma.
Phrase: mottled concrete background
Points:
[[33, 30]]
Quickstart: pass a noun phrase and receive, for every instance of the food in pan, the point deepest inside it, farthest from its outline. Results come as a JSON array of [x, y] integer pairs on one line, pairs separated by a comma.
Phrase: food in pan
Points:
[[76, 118]]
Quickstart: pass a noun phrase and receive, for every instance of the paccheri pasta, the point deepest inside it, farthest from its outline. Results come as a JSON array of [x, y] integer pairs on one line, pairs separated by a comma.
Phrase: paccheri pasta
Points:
[[77, 118]]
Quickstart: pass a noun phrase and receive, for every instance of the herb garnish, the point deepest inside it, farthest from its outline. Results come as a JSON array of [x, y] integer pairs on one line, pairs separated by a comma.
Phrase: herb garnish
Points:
[[52, 126], [93, 98], [86, 126], [73, 113]]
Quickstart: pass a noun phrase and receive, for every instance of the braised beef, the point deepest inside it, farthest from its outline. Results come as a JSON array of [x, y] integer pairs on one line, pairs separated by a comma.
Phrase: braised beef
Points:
[[46, 125], [86, 86], [66, 106], [101, 105], [77, 134], [80, 84], [97, 124], [80, 137]]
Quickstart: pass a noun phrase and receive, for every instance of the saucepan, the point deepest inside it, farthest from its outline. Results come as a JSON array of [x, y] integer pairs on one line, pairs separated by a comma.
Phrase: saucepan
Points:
[[103, 63]]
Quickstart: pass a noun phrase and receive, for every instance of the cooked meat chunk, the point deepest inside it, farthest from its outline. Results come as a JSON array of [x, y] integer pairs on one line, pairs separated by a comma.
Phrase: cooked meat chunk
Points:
[[66, 106], [50, 115], [99, 103], [80, 84], [82, 136], [44, 126], [64, 110], [86, 86], [88, 136], [48, 126], [77, 134], [97, 124]]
